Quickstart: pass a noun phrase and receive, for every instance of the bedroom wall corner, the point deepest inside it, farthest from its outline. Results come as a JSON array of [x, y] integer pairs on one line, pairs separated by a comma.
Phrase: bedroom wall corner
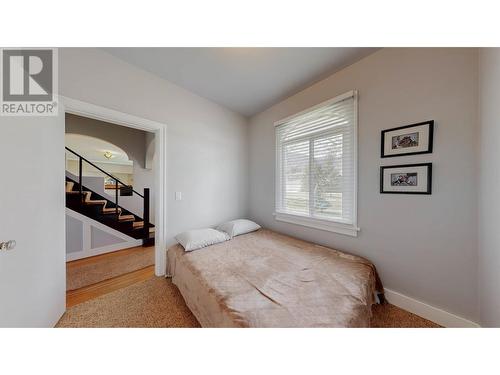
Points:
[[489, 192], [425, 247]]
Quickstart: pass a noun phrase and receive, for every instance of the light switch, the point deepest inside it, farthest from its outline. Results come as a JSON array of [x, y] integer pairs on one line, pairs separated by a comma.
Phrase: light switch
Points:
[[178, 195]]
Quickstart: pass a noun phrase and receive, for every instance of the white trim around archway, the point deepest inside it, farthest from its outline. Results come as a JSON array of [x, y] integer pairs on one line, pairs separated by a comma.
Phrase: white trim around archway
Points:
[[93, 111]]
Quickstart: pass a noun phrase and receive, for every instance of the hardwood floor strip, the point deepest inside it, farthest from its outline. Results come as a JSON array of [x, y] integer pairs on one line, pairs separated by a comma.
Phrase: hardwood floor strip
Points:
[[104, 257], [75, 297]]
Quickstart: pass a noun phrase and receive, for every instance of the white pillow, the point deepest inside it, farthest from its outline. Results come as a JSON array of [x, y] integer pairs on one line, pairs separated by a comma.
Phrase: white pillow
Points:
[[198, 238], [236, 227]]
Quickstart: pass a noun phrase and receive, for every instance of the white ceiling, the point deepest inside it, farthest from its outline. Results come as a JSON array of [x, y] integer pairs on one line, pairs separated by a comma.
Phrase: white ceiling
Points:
[[245, 80], [93, 149]]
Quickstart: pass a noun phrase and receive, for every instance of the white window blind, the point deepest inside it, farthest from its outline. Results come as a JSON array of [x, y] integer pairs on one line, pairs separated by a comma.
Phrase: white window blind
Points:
[[316, 162]]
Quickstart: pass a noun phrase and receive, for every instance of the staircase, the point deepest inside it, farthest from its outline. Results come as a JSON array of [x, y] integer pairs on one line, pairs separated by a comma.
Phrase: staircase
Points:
[[102, 209]]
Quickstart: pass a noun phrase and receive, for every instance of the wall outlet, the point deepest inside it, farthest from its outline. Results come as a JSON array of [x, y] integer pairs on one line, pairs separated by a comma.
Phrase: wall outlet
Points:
[[178, 196]]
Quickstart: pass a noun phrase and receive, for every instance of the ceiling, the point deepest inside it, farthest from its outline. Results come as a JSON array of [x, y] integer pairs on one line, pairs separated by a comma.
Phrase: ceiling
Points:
[[245, 80], [93, 149]]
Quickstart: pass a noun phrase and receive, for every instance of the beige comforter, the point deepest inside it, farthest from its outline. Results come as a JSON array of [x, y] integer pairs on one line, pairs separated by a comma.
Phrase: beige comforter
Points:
[[265, 279]]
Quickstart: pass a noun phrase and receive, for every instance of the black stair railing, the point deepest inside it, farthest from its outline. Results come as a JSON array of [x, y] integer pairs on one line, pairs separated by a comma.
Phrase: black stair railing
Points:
[[127, 189]]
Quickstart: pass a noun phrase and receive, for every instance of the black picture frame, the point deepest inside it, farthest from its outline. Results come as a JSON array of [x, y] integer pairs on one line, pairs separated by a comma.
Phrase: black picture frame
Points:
[[429, 178], [126, 191], [430, 123]]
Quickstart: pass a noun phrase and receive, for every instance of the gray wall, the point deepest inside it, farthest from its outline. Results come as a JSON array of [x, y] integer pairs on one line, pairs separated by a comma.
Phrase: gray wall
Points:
[[74, 235], [423, 246], [98, 238], [489, 197], [207, 153]]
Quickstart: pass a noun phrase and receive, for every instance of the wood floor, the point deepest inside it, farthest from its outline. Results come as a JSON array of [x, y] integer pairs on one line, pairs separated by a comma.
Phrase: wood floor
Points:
[[102, 257], [74, 297]]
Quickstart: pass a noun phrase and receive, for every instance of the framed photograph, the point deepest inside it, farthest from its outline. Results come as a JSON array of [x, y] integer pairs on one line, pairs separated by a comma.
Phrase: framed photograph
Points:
[[406, 179], [408, 140]]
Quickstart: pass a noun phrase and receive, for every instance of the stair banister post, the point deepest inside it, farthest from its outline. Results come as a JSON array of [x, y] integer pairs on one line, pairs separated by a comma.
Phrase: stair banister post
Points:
[[80, 165], [146, 217], [116, 200]]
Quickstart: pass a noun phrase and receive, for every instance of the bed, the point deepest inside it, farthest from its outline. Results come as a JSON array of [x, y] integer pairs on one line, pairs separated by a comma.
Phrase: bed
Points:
[[266, 279]]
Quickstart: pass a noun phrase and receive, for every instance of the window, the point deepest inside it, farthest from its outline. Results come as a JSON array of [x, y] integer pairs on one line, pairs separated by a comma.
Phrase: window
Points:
[[316, 166]]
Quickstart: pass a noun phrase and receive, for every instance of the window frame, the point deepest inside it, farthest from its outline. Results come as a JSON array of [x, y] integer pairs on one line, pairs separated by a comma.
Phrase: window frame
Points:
[[331, 225]]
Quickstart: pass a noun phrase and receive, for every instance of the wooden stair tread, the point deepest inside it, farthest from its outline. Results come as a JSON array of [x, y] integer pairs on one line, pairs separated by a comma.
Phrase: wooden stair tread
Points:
[[126, 217], [151, 230], [91, 202], [140, 225], [111, 210], [77, 192], [122, 224]]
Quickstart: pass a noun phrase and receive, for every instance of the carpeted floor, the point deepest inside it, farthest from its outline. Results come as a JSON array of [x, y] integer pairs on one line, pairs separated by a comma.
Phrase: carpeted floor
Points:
[[390, 316], [89, 271], [157, 303], [152, 303]]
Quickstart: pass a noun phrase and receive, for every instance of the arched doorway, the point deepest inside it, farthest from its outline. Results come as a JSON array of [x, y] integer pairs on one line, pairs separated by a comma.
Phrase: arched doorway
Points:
[[102, 153]]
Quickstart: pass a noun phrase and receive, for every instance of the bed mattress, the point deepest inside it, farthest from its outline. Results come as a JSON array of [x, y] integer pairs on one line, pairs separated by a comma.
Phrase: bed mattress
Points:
[[266, 279]]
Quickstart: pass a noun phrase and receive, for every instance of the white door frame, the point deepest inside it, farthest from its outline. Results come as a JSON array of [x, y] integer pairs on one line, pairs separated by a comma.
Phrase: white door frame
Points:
[[93, 111]]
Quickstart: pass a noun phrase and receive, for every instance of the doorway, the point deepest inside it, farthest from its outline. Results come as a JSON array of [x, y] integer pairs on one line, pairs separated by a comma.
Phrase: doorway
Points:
[[158, 213], [110, 207]]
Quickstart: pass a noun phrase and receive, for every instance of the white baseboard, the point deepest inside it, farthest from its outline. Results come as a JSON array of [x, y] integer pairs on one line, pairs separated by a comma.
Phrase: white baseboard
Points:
[[434, 314], [102, 250]]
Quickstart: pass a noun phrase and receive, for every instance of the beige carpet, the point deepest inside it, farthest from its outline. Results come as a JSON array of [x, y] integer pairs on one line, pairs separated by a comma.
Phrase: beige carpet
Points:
[[390, 316], [157, 303], [152, 303], [89, 271]]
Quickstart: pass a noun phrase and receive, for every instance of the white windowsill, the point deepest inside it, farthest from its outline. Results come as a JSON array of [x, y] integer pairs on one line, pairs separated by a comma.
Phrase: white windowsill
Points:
[[327, 225]]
